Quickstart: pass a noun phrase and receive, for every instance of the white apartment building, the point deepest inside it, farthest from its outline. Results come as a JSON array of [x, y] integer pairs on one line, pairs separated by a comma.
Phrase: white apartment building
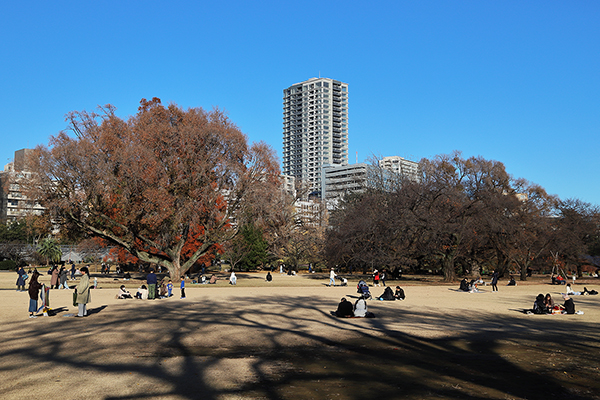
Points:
[[13, 202], [338, 180], [315, 128], [401, 166]]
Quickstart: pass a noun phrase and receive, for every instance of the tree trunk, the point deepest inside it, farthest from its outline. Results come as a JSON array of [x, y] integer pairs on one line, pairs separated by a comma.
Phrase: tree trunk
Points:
[[174, 270], [523, 276], [448, 268], [475, 270]]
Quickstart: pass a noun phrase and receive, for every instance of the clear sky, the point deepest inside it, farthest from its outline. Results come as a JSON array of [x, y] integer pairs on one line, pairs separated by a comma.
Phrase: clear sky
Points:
[[513, 81]]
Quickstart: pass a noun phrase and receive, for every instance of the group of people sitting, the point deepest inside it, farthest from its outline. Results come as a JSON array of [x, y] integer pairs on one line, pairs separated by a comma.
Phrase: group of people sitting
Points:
[[203, 280], [390, 295], [165, 289], [467, 286], [545, 305], [346, 310]]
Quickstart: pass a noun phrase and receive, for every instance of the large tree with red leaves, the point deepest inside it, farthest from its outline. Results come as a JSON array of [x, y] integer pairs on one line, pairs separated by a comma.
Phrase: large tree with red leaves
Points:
[[168, 185]]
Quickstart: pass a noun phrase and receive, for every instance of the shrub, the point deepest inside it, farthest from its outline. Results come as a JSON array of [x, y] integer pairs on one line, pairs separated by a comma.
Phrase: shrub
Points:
[[8, 264]]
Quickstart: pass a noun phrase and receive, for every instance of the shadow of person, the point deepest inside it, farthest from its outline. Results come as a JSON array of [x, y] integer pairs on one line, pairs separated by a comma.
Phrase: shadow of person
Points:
[[91, 311]]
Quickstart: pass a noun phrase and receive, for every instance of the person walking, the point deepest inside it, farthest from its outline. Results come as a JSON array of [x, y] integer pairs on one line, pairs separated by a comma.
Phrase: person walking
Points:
[[151, 280], [495, 281], [83, 292], [21, 280], [332, 276]]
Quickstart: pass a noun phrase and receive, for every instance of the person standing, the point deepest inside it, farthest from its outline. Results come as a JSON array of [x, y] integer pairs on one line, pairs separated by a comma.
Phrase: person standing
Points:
[[232, 278], [54, 279], [34, 291], [62, 275], [495, 281], [151, 280], [332, 276], [83, 292], [72, 271], [375, 278], [21, 280], [169, 289], [182, 287]]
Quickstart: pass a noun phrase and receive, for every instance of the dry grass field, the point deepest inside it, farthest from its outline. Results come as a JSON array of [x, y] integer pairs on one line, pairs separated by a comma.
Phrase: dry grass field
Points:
[[277, 340]]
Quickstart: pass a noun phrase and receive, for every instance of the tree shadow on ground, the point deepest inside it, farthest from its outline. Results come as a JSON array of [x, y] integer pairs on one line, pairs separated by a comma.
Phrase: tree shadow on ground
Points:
[[276, 349]]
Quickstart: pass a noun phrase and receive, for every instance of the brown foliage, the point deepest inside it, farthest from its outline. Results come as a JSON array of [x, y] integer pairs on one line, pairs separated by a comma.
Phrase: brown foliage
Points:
[[167, 185]]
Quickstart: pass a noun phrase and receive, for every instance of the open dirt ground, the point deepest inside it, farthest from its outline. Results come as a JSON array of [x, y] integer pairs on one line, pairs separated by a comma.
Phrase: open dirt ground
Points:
[[277, 340]]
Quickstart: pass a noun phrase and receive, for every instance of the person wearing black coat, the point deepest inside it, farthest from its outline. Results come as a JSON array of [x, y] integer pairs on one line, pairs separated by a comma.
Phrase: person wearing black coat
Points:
[[34, 293], [569, 306], [345, 309]]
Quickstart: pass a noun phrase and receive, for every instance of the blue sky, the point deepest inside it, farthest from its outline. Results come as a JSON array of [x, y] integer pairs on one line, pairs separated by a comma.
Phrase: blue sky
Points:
[[513, 81]]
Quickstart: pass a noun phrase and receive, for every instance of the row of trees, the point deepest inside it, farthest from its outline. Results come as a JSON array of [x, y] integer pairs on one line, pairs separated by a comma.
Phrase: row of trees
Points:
[[176, 187], [462, 215]]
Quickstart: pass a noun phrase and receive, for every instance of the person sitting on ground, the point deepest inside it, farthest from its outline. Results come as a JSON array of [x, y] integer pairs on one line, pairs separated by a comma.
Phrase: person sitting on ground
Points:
[[568, 306], [123, 294], [511, 281], [344, 309], [549, 303], [538, 306], [399, 295], [589, 292], [162, 292], [344, 282], [142, 293], [553, 277], [387, 295], [360, 308], [464, 285], [213, 279], [269, 278], [570, 291], [560, 280], [473, 286]]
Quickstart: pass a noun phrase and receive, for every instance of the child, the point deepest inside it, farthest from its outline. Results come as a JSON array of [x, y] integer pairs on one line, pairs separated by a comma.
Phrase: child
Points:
[[169, 289], [182, 287]]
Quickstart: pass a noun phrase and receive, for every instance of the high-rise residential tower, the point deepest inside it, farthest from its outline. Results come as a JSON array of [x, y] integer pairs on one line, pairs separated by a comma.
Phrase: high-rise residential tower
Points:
[[315, 128]]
